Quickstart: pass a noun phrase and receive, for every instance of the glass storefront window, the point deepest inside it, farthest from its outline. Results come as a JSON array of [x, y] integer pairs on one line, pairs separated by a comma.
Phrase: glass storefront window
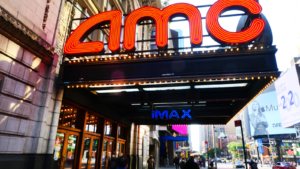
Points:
[[118, 149], [85, 155], [122, 149], [91, 123], [119, 132], [71, 151], [68, 116], [94, 153], [108, 128], [58, 148], [104, 155]]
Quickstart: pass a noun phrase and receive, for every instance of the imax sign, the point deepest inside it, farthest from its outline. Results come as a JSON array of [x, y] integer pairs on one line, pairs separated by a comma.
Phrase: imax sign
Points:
[[173, 114]]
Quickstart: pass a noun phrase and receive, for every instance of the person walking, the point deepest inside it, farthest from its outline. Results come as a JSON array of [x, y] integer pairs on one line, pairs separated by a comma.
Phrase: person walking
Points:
[[122, 162], [211, 164], [151, 162], [113, 162], [190, 164], [176, 162], [253, 165], [182, 163], [200, 163], [161, 161]]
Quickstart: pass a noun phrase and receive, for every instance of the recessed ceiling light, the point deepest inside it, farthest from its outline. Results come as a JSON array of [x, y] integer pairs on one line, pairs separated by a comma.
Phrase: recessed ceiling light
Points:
[[166, 88], [117, 90], [221, 85]]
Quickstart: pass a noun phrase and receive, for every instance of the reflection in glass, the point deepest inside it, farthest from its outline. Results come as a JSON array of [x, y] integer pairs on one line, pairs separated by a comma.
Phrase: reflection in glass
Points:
[[67, 116], [108, 128], [110, 151], [85, 155], [118, 149], [70, 156], [122, 149], [91, 123], [94, 153], [58, 147], [104, 154]]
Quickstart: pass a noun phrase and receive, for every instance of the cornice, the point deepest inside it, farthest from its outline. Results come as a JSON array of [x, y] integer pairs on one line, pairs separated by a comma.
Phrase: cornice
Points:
[[16, 29]]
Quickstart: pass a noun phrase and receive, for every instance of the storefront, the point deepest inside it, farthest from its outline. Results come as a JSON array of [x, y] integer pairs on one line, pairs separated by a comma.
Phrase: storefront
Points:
[[290, 150], [87, 140]]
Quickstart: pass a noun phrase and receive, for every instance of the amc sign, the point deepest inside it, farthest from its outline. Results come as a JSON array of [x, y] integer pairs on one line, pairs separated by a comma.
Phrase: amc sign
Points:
[[75, 45]]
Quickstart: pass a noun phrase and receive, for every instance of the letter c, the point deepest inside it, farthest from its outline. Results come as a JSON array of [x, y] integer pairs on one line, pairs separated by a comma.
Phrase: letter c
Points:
[[221, 35]]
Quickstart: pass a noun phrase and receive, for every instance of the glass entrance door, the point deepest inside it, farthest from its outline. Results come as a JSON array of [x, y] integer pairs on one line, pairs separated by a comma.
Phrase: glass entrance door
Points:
[[90, 152], [65, 147], [108, 150]]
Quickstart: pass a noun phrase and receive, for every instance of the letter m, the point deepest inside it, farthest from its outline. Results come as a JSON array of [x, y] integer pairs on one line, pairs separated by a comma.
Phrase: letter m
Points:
[[75, 45], [161, 115], [161, 18]]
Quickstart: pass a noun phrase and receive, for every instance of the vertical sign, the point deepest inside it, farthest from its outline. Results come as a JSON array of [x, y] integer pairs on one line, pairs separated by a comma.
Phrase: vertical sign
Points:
[[176, 145], [288, 91], [206, 146], [260, 146]]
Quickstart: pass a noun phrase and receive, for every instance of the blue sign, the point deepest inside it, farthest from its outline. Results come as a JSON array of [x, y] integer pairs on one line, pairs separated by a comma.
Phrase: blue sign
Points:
[[176, 145], [260, 146], [173, 115]]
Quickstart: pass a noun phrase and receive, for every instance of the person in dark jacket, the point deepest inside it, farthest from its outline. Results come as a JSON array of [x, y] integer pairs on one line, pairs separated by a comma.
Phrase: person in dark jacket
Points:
[[190, 164], [211, 164], [176, 162], [182, 163]]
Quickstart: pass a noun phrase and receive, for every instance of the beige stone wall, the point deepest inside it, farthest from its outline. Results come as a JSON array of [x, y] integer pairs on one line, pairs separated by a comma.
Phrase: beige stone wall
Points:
[[31, 13], [137, 133], [26, 104]]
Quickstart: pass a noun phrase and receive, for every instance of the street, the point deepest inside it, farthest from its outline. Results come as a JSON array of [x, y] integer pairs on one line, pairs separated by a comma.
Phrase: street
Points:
[[224, 166]]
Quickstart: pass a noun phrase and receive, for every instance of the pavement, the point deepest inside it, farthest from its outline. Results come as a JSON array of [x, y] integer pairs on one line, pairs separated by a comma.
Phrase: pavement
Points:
[[224, 166]]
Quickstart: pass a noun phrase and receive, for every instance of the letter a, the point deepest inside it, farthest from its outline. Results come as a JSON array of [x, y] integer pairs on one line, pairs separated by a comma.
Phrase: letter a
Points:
[[174, 114], [75, 44]]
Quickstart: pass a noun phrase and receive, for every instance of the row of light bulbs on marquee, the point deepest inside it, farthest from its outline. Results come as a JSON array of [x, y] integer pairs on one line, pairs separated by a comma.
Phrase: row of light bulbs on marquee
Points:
[[124, 57], [165, 82]]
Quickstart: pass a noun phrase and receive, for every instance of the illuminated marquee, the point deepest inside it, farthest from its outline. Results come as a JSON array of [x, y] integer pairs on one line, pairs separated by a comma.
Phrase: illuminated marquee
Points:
[[173, 115], [76, 46]]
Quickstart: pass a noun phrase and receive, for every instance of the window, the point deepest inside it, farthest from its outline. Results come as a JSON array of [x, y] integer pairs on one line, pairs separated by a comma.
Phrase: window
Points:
[[68, 115], [108, 128], [119, 132], [91, 123]]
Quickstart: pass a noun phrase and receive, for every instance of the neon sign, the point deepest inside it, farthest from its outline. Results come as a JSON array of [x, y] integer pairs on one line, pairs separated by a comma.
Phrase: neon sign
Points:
[[75, 45], [173, 114]]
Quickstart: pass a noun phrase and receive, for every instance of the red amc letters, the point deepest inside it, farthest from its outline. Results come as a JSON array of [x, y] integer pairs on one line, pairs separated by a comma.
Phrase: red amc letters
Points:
[[76, 46]]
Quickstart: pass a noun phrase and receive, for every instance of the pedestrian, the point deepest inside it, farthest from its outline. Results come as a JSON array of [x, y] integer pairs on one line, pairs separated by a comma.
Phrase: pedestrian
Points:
[[151, 162], [200, 163], [182, 163], [190, 164], [167, 161], [225, 160], [253, 165], [176, 162], [161, 161], [113, 162], [122, 162], [211, 164]]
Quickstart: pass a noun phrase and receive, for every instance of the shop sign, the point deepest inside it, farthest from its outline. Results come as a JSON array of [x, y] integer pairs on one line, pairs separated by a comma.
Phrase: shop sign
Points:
[[173, 115], [297, 156], [176, 145], [288, 91], [75, 45], [260, 146], [290, 141], [287, 156]]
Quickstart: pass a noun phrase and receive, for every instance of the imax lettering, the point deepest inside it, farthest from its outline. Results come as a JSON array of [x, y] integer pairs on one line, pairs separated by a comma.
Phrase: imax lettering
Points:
[[173, 115], [75, 45]]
